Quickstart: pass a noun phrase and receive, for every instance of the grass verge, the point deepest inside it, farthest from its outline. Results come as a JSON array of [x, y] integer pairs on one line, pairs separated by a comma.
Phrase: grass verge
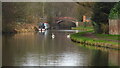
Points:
[[83, 28], [79, 38]]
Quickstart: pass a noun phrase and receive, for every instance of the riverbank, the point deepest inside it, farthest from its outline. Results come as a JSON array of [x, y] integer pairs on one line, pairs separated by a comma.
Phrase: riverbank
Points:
[[99, 40], [83, 28], [20, 28]]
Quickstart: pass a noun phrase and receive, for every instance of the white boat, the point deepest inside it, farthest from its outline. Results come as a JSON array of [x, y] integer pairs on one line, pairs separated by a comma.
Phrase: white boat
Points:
[[43, 27]]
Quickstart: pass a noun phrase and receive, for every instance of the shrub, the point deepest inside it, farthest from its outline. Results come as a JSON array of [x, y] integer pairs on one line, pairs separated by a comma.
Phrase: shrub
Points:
[[115, 12]]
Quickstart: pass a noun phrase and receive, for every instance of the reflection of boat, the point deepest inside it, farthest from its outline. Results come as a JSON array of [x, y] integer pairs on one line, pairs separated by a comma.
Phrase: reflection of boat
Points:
[[41, 30]]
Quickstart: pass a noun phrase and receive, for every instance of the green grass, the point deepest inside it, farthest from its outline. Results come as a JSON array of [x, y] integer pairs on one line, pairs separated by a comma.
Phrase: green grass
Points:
[[104, 36], [108, 36], [102, 43], [83, 28]]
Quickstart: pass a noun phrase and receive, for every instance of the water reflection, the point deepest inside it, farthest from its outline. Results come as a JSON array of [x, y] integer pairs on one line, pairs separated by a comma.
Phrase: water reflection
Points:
[[102, 56], [0, 49], [39, 49], [0, 33]]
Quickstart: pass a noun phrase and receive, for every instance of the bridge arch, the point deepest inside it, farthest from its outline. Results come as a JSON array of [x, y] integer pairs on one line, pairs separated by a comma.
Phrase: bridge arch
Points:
[[68, 19]]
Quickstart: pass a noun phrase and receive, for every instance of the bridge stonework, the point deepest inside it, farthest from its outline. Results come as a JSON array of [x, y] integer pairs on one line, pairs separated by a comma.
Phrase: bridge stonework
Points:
[[114, 26]]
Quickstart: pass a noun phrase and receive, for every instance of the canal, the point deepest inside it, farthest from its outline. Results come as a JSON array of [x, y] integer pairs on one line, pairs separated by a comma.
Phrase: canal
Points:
[[40, 49]]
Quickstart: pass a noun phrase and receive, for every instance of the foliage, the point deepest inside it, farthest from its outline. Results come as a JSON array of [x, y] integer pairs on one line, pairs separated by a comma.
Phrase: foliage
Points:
[[20, 12], [31, 13], [15, 13], [96, 27], [105, 28], [100, 15], [85, 8], [115, 12]]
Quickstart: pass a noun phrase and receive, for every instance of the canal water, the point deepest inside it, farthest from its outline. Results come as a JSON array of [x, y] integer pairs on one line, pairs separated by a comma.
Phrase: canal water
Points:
[[41, 49]]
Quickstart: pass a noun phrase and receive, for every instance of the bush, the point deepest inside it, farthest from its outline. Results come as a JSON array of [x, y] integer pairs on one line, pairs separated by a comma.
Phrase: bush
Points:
[[105, 28], [115, 12], [101, 11]]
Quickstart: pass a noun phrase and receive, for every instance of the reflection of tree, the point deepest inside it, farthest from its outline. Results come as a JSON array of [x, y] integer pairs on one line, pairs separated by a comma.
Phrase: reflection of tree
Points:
[[114, 56], [99, 58]]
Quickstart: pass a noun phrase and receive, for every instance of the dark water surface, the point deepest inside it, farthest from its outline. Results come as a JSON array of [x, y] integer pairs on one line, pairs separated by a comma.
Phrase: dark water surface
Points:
[[40, 49], [0, 49]]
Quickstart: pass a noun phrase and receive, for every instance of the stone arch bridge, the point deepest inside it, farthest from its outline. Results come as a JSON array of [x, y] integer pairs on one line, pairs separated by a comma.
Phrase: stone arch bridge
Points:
[[68, 19]]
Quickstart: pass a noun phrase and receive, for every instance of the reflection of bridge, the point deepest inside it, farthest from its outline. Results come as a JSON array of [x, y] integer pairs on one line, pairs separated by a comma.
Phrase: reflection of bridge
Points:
[[69, 19]]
